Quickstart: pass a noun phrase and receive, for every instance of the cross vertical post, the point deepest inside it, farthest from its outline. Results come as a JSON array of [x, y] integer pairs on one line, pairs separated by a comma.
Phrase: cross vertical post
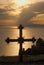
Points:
[[21, 41]]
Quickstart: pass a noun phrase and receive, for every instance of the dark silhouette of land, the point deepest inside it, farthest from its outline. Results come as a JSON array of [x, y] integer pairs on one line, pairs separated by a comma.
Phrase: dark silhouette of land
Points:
[[35, 49]]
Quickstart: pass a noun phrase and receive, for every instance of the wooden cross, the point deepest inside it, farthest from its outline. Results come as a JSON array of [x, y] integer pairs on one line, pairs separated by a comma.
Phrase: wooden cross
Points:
[[20, 40]]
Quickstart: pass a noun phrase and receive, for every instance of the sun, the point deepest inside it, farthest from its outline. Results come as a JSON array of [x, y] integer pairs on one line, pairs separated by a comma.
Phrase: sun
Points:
[[21, 2]]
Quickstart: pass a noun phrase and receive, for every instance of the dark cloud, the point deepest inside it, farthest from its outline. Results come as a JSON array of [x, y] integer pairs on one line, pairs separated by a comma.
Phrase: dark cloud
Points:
[[30, 12], [38, 7]]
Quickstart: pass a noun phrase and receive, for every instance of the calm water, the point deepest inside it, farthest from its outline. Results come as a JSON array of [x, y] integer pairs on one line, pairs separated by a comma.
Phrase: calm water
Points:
[[13, 32]]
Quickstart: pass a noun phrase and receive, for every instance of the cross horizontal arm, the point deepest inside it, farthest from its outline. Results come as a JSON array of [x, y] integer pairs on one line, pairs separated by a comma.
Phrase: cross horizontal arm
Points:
[[31, 40], [27, 40], [13, 40], [8, 40]]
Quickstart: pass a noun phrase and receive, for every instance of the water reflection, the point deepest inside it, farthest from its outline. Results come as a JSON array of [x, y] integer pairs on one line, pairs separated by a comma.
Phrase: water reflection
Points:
[[13, 48]]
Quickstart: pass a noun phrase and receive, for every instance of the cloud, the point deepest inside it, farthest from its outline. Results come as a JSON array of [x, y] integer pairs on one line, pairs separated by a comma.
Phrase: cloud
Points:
[[26, 15], [32, 11], [6, 18], [4, 15], [38, 7]]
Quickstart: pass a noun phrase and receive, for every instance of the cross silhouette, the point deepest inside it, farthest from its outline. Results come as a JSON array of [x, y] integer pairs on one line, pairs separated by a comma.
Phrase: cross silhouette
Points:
[[20, 40]]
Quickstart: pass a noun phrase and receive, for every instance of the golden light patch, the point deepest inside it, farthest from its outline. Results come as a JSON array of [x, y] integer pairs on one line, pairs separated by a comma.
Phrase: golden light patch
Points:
[[21, 2], [38, 20], [7, 22]]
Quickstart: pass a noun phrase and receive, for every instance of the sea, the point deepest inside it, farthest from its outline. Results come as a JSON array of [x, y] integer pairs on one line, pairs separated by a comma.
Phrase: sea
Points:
[[12, 49]]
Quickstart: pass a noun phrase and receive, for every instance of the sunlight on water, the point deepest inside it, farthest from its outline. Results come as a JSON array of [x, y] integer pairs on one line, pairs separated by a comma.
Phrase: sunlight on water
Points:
[[27, 35], [12, 32]]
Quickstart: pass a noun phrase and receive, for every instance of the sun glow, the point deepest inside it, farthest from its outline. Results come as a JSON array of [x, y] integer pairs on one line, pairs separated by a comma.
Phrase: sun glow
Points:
[[19, 5], [21, 2]]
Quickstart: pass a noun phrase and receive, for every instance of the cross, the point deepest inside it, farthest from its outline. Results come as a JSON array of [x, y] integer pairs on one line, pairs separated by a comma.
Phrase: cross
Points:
[[20, 40]]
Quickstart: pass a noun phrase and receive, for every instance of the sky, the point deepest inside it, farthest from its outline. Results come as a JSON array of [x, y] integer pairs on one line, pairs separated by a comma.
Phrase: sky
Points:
[[25, 12]]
